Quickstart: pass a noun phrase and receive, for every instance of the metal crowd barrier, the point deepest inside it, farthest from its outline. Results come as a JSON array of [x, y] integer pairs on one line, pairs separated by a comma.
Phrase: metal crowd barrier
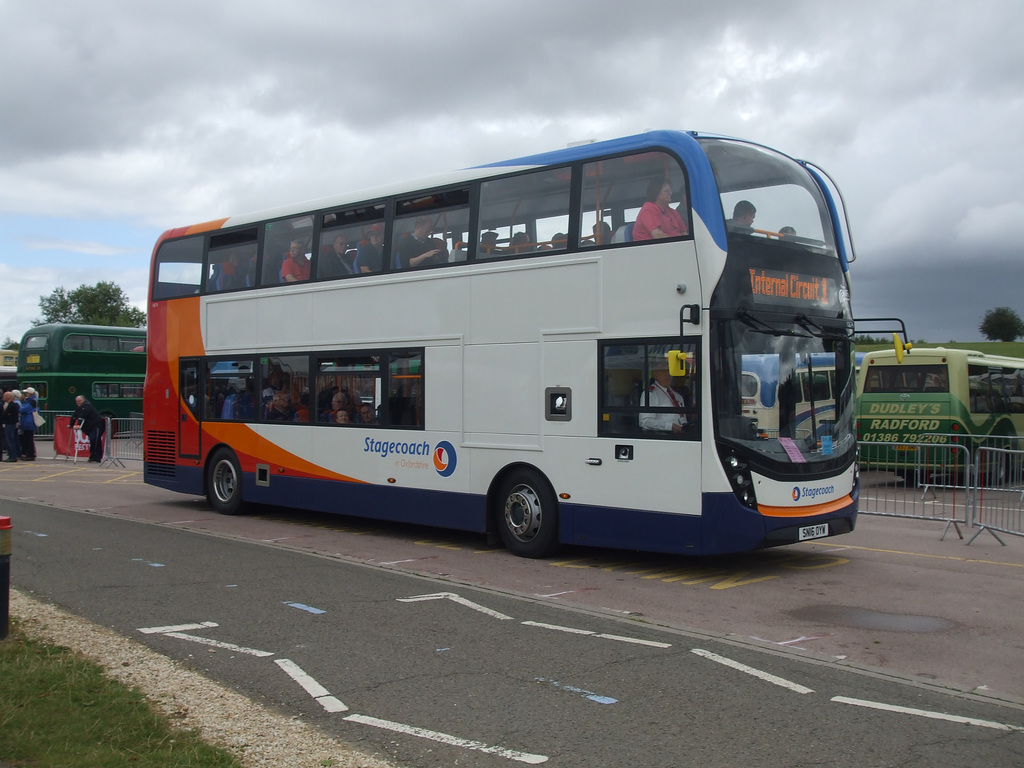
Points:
[[45, 432], [948, 483], [921, 481], [122, 439], [999, 500]]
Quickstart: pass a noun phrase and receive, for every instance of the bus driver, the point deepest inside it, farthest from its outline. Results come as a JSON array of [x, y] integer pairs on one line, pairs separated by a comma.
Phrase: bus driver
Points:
[[661, 394]]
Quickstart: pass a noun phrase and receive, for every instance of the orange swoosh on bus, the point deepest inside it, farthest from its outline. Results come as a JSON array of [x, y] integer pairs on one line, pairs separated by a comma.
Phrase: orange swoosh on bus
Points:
[[811, 511], [269, 453]]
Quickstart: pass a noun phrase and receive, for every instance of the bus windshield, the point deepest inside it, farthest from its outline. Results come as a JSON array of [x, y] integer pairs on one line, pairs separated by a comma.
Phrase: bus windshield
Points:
[[804, 386], [768, 195]]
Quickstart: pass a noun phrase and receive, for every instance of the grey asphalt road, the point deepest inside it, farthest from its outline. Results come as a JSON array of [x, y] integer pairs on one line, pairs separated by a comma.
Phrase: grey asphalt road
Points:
[[437, 671], [893, 595]]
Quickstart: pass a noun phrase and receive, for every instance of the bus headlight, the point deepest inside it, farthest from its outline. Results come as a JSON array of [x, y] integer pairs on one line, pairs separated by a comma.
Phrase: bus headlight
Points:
[[738, 472]]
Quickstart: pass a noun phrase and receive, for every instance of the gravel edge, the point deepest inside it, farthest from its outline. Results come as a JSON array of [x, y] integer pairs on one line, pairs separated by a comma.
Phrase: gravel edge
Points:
[[191, 701]]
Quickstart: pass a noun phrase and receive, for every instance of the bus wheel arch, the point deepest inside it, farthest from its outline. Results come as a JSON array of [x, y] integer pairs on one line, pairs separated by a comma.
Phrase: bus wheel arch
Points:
[[523, 509], [224, 481]]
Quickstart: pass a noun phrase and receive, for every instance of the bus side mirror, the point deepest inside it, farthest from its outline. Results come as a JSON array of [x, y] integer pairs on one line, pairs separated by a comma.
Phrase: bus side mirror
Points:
[[678, 364], [900, 347], [688, 313]]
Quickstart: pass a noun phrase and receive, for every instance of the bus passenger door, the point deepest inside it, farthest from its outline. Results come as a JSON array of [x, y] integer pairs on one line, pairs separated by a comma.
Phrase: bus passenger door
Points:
[[188, 408]]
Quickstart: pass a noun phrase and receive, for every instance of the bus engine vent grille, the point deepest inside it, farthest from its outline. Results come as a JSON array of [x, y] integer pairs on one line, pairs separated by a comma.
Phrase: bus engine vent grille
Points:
[[160, 453]]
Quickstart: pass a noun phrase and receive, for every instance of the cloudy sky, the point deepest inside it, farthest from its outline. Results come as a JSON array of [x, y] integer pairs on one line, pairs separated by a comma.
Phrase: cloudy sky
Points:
[[121, 119]]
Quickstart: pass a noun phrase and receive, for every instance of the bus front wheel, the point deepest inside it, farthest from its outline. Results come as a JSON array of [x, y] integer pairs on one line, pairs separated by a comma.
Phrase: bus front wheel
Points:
[[527, 514], [224, 483]]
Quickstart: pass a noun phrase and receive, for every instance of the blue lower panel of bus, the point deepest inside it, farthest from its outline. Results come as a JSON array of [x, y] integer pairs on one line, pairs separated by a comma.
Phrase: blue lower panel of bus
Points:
[[457, 511], [724, 527]]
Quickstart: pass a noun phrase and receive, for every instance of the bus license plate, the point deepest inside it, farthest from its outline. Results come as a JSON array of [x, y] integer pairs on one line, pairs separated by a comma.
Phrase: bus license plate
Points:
[[813, 532]]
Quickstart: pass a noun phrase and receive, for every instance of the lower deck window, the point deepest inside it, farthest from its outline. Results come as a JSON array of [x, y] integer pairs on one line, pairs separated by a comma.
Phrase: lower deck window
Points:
[[640, 396]]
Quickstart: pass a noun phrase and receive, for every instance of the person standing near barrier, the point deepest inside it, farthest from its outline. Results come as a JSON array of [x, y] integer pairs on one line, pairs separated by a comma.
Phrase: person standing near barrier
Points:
[[11, 417], [29, 408], [88, 419]]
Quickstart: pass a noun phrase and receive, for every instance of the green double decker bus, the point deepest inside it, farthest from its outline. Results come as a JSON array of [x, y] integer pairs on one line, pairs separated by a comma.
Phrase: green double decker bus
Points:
[[105, 364]]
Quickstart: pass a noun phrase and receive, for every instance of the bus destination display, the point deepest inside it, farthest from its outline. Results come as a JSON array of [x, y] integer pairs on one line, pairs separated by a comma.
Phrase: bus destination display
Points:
[[792, 288]]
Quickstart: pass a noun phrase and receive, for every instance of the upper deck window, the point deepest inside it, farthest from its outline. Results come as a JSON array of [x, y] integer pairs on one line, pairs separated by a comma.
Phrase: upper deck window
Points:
[[39, 341], [766, 194], [430, 229], [178, 270], [635, 198], [287, 247], [344, 234], [524, 214], [232, 261]]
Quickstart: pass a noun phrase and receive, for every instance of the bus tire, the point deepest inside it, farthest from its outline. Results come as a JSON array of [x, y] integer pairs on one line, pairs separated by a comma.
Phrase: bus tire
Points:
[[526, 514], [224, 482]]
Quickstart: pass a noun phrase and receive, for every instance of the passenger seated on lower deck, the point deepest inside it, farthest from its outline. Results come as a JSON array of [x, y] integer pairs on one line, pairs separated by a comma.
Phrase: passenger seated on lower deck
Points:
[[239, 403], [281, 408], [340, 401]]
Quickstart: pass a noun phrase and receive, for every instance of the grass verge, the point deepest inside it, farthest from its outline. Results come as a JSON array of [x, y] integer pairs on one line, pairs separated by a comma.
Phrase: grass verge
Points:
[[58, 709]]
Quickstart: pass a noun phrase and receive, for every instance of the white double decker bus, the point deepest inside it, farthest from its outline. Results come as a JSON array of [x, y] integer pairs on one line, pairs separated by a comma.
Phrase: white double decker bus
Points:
[[548, 349]]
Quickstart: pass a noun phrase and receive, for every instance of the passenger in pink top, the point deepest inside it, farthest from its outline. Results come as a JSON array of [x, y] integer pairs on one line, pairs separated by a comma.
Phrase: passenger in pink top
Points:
[[656, 220]]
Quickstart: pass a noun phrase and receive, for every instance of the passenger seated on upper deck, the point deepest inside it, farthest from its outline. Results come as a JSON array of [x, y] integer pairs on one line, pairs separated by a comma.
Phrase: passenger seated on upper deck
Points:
[[742, 217], [419, 249], [489, 243], [370, 253], [335, 259], [656, 219], [295, 266], [520, 243], [602, 234]]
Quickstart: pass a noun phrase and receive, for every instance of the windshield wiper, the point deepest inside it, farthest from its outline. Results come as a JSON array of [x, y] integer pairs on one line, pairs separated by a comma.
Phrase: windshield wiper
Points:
[[818, 331], [763, 326]]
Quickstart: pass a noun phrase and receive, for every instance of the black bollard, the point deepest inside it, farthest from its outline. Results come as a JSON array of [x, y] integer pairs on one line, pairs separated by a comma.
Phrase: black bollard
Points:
[[5, 576]]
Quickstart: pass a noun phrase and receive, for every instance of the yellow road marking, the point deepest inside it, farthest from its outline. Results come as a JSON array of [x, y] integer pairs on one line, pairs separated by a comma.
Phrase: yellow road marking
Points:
[[833, 545]]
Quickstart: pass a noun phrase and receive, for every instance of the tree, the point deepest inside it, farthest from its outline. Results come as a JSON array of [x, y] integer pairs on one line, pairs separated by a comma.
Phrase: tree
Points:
[[10, 343], [101, 304], [1001, 324]]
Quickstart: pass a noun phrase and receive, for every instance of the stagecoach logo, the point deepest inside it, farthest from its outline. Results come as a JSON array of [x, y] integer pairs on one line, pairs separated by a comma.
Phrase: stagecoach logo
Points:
[[813, 493], [413, 455], [444, 458]]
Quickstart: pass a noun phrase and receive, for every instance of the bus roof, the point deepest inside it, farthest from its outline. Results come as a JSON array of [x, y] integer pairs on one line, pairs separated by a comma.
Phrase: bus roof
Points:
[[66, 328], [928, 356], [704, 201]]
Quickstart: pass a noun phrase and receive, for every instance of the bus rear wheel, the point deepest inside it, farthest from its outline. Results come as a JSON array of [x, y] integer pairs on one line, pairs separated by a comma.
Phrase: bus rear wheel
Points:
[[527, 514], [224, 482]]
